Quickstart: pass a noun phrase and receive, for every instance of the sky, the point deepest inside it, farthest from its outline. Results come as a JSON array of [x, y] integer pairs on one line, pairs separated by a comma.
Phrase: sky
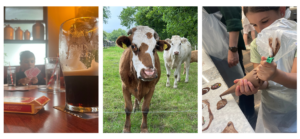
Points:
[[114, 22]]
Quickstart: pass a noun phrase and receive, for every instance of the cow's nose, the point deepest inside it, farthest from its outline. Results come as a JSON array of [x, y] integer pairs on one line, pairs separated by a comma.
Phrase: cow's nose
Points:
[[149, 72], [176, 53]]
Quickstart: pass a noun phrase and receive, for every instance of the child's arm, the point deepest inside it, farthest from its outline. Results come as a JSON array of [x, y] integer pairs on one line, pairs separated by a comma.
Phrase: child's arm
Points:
[[265, 84], [289, 80], [267, 71], [246, 87], [39, 80], [23, 81], [34, 80]]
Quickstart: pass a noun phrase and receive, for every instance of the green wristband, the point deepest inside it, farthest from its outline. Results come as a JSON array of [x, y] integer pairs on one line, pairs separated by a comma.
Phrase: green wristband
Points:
[[270, 59]]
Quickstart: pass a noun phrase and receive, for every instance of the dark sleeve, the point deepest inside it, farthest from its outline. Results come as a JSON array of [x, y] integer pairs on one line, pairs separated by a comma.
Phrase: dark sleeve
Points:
[[233, 17], [210, 9], [41, 80], [19, 76]]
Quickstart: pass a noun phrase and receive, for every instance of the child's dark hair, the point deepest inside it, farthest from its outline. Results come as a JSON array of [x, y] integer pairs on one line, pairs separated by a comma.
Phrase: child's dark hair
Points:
[[259, 9], [26, 54]]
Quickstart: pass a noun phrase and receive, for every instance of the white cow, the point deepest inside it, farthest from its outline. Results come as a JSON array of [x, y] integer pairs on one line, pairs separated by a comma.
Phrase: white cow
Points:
[[179, 52]]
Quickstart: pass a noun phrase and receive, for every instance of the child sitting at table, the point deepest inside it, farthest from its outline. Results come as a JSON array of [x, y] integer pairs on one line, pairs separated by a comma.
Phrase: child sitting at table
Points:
[[27, 61]]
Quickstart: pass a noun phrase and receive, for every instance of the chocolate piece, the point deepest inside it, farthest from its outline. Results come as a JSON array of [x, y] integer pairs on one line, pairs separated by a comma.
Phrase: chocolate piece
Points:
[[203, 122], [229, 128], [205, 90], [215, 86], [221, 104], [211, 117]]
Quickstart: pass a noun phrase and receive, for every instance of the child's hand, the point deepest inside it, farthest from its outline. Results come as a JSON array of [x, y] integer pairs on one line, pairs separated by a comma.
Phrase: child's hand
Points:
[[244, 87], [24, 81], [265, 70], [34, 80]]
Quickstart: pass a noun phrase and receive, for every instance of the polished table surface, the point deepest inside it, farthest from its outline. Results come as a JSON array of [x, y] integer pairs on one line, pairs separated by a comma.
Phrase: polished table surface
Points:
[[47, 120]]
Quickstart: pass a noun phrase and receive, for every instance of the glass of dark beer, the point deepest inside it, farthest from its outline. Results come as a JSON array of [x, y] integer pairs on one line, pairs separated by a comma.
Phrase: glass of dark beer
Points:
[[78, 55]]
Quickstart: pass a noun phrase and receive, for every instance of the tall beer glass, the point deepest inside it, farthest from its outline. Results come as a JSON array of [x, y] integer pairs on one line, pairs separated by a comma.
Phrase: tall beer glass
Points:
[[78, 53]]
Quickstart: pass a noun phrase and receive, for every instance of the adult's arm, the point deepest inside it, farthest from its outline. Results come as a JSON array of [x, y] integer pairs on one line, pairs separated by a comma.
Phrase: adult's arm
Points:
[[232, 16], [233, 57]]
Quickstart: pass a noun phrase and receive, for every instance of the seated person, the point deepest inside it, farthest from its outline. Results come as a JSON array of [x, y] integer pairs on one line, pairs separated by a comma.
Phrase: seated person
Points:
[[27, 61]]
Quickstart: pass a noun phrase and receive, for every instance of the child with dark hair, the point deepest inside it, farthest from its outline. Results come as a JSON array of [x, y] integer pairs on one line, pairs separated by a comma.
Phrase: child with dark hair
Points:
[[278, 108], [27, 61]]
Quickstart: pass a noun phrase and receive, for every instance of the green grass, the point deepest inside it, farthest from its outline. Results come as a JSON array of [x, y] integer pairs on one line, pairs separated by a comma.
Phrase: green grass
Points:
[[171, 110]]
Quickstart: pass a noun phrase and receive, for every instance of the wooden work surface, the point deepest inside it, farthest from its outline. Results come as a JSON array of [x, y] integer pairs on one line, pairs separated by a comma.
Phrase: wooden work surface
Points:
[[47, 120]]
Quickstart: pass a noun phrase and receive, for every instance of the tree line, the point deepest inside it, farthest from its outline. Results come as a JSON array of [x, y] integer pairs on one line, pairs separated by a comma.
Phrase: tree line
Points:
[[166, 21], [114, 34]]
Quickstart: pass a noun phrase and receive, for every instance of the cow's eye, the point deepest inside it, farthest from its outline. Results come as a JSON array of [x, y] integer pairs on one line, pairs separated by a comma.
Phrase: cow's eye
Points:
[[179, 43], [171, 43], [134, 48], [153, 51]]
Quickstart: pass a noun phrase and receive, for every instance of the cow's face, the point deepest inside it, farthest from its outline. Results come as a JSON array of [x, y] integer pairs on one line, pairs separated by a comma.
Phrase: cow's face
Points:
[[176, 42], [143, 42]]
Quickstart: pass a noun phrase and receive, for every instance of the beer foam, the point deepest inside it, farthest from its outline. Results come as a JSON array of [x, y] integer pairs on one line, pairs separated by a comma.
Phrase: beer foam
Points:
[[92, 71], [79, 41], [73, 61]]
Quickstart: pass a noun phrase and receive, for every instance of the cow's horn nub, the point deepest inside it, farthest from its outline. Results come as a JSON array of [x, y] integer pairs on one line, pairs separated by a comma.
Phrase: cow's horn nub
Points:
[[129, 32]]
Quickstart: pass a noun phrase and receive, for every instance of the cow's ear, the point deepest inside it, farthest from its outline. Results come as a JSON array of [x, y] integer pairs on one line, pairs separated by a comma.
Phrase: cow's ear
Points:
[[162, 45], [168, 40], [183, 40], [123, 42]]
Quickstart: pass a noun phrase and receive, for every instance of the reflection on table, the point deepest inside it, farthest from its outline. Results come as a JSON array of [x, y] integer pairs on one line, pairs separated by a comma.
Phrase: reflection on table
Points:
[[47, 120]]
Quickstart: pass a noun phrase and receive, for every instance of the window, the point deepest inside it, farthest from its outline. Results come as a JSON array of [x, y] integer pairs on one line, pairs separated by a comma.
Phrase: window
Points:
[[25, 18]]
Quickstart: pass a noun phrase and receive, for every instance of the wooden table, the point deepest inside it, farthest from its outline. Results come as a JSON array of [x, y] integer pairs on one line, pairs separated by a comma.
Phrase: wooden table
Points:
[[47, 120]]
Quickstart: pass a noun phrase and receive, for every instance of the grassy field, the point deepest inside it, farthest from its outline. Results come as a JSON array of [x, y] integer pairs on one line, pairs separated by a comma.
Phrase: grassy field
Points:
[[171, 110]]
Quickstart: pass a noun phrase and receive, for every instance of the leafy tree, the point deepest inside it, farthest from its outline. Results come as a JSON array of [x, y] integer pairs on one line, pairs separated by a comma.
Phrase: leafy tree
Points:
[[106, 14], [115, 34], [166, 21], [127, 17], [133, 16], [149, 17], [181, 21], [105, 34]]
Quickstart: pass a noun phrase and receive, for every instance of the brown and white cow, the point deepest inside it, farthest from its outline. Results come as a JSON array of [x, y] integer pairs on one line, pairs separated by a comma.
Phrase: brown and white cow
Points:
[[179, 52], [139, 69], [194, 58]]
